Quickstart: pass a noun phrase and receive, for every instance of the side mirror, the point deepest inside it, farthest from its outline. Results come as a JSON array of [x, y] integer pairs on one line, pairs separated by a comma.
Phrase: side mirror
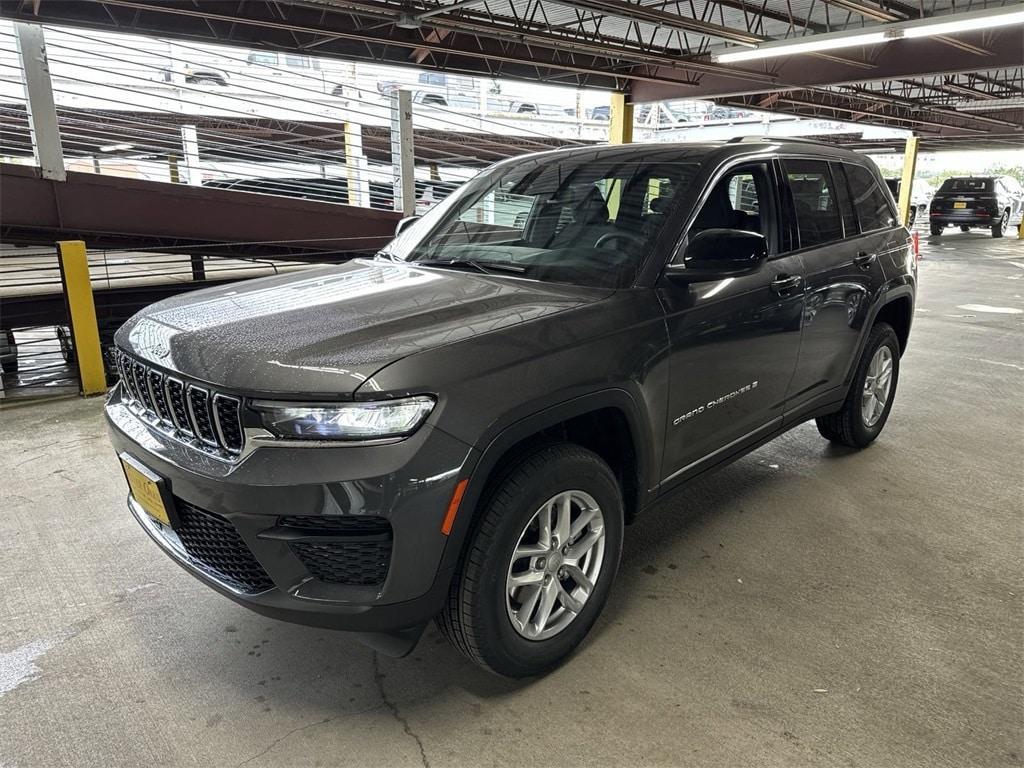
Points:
[[715, 254], [405, 223]]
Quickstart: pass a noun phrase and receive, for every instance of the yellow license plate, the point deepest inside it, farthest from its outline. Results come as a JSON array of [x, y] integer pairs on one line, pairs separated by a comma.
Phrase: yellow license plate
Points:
[[959, 205], [145, 488]]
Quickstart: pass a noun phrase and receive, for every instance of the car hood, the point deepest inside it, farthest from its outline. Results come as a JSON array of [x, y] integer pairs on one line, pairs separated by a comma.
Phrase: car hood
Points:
[[326, 330]]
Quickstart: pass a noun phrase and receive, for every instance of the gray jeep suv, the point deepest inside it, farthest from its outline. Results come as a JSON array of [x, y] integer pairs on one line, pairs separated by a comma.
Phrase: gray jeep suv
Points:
[[460, 428]]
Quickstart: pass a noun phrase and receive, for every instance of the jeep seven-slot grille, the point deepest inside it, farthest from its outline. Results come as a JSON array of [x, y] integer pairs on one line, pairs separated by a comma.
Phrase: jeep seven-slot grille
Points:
[[185, 411], [213, 542]]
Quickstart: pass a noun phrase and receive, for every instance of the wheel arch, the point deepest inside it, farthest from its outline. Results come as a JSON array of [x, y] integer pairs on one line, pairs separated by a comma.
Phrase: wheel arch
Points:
[[897, 311]]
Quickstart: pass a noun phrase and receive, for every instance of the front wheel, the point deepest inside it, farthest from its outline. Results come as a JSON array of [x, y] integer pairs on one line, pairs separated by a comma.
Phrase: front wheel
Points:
[[540, 563], [867, 406]]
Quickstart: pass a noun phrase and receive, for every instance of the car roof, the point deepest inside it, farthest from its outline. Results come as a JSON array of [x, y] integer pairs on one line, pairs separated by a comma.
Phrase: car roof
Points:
[[723, 150]]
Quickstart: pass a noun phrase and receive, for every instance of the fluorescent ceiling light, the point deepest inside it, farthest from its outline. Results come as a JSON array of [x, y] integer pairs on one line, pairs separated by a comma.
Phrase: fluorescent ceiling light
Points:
[[116, 147], [989, 105], [969, 23], [989, 18], [812, 44]]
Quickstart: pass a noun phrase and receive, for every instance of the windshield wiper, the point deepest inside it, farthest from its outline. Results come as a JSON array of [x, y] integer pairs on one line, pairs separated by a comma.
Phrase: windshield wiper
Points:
[[386, 255], [481, 266]]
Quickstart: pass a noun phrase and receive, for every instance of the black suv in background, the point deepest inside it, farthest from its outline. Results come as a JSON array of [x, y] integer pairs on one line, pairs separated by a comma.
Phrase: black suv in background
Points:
[[986, 202], [461, 427]]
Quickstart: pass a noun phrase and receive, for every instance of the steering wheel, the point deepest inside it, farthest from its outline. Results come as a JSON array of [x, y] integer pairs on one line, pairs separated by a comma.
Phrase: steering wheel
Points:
[[635, 239]]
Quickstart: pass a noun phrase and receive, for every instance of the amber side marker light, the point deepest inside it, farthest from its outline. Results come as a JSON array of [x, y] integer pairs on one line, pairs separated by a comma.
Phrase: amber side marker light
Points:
[[453, 507]]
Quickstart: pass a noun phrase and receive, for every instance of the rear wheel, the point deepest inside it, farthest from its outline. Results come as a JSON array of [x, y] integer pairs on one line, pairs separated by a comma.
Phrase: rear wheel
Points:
[[540, 563], [871, 394], [997, 226], [964, 228], [936, 230]]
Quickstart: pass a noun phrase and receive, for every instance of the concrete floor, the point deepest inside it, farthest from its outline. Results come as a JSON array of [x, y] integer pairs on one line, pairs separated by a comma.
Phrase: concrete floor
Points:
[[803, 607]]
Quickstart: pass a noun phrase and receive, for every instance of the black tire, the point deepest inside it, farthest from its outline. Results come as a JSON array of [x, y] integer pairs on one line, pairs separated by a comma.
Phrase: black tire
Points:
[[847, 425], [964, 228], [475, 619], [10, 367], [936, 230], [997, 226]]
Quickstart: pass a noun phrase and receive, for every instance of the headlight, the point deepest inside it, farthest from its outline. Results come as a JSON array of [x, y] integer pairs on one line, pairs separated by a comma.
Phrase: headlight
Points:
[[345, 421]]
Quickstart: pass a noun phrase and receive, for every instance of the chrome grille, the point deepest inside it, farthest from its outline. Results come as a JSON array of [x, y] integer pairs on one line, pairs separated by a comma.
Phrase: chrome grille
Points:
[[208, 420], [179, 412], [155, 379]]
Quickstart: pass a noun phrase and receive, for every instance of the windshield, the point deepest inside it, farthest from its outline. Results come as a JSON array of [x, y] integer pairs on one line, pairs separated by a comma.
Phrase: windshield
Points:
[[570, 219], [965, 185]]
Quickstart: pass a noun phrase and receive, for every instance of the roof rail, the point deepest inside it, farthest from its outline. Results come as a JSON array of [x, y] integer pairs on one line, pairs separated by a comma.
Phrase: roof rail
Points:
[[796, 139]]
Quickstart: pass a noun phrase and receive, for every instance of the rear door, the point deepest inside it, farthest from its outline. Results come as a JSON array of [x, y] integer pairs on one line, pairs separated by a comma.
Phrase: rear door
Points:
[[846, 227]]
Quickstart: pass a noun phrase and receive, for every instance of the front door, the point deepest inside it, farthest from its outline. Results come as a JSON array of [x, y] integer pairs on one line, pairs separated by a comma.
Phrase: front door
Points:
[[734, 342]]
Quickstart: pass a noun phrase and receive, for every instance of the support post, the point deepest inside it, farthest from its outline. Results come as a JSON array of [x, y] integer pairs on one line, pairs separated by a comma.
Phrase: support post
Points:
[[620, 131], [907, 180], [356, 171], [190, 148], [42, 112], [74, 272], [402, 163]]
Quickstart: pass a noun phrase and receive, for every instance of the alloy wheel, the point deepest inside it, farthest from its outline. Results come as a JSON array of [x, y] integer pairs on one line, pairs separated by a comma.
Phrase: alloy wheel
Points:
[[877, 386], [555, 565]]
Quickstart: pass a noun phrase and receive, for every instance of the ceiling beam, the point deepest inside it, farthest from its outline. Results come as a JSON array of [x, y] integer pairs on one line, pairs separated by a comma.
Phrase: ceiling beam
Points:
[[891, 60]]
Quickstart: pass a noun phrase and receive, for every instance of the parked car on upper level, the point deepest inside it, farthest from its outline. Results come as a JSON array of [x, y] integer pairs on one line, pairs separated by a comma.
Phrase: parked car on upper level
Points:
[[461, 427], [976, 202]]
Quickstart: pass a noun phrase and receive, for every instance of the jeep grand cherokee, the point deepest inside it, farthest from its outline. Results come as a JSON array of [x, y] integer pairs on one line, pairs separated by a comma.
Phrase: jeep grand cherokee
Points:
[[459, 428]]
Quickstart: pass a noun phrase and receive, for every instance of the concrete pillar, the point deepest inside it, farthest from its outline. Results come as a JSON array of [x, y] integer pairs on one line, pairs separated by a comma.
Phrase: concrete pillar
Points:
[[356, 170], [190, 148], [42, 112], [402, 159]]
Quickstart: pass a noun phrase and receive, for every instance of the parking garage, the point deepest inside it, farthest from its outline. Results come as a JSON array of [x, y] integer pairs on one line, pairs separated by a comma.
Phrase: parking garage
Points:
[[798, 601]]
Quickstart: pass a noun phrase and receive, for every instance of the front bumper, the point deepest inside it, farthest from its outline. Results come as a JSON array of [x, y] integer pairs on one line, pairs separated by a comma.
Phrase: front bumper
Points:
[[408, 483]]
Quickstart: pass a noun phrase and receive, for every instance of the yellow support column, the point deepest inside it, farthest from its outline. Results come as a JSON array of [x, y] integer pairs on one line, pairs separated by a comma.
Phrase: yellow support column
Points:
[[620, 131], [74, 270], [907, 180]]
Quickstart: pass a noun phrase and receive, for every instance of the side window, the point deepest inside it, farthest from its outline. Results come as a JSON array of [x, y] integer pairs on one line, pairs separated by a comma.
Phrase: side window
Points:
[[817, 213], [263, 57], [872, 205], [739, 200], [843, 200], [299, 62]]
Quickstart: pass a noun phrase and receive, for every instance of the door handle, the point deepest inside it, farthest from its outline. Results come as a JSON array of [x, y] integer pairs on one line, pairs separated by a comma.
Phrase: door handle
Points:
[[865, 259], [785, 283]]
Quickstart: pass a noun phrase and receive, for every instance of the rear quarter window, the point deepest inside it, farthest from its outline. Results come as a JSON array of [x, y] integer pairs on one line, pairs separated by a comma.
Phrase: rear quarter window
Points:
[[874, 211]]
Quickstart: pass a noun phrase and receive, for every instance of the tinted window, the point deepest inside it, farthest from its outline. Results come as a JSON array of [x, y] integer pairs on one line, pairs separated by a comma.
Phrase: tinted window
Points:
[[735, 202], [962, 186], [870, 202], [843, 200], [817, 213]]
